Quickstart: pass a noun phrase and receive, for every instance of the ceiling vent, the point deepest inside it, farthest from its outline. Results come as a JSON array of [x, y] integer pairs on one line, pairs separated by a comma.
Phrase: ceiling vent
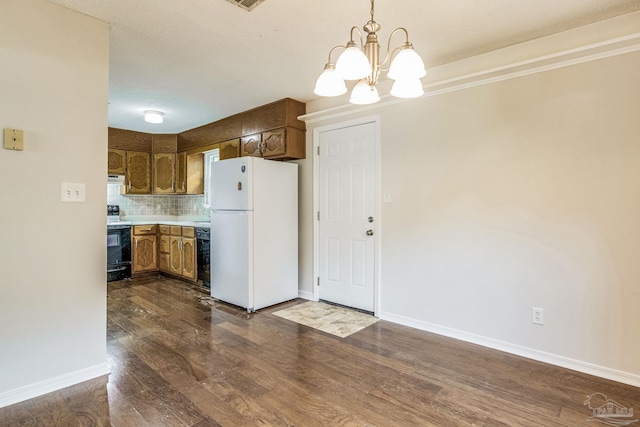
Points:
[[246, 4]]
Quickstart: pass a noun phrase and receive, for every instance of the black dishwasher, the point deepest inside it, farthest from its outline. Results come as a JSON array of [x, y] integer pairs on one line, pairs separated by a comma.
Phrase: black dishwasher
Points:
[[204, 256]]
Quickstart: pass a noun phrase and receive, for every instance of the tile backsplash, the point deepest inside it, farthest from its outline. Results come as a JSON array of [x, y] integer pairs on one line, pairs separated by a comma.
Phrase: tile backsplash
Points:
[[136, 205]]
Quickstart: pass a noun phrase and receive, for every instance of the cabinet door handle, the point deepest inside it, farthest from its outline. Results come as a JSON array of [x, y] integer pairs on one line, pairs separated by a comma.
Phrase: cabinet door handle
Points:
[[136, 242]]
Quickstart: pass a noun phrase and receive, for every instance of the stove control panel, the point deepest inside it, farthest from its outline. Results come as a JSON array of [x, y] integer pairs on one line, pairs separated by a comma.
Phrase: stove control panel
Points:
[[113, 212]]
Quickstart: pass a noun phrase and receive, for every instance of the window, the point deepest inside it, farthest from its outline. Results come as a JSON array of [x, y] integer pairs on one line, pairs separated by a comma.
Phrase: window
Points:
[[209, 158]]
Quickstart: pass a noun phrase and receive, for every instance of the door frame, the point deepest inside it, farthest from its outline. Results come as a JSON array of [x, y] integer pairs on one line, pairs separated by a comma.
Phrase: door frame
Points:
[[375, 119]]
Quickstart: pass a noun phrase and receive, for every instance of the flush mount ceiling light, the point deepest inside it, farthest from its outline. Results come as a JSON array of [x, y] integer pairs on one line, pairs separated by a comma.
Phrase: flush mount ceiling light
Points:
[[363, 63], [151, 116]]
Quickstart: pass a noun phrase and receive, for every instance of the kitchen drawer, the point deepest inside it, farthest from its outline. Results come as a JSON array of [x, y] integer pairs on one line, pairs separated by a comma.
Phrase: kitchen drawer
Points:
[[164, 243], [140, 230], [188, 232], [165, 229], [176, 230]]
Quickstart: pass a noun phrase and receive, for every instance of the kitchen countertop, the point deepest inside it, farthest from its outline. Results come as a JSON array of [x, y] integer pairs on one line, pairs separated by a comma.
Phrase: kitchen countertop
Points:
[[203, 224], [185, 221]]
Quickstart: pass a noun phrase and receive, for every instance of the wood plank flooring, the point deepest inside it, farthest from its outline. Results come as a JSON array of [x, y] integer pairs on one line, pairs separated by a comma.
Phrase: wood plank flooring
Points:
[[177, 361]]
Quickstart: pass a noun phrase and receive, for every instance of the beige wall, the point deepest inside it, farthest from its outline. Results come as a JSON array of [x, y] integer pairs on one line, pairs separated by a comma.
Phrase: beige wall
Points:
[[54, 86], [511, 195]]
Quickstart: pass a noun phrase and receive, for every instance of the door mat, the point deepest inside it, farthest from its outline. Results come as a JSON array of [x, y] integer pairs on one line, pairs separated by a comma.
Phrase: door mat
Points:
[[338, 321]]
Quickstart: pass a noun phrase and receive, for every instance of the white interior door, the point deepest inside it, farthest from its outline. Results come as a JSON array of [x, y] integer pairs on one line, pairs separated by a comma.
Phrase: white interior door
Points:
[[347, 223]]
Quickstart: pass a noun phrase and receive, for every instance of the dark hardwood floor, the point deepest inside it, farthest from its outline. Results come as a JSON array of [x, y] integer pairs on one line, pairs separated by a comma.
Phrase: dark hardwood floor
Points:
[[177, 361]]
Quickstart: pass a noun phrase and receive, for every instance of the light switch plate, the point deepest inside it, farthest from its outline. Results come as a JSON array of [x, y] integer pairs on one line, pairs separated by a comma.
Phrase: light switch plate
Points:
[[73, 192], [13, 139]]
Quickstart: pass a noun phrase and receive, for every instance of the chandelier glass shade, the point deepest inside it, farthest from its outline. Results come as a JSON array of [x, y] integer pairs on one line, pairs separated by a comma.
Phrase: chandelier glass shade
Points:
[[330, 83], [362, 62]]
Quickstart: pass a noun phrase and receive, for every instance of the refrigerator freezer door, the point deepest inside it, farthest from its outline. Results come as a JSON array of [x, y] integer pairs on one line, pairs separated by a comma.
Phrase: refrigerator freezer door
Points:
[[231, 181], [232, 257]]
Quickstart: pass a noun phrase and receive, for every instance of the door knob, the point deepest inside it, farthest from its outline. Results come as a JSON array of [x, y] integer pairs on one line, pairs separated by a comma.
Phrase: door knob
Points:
[[369, 232]]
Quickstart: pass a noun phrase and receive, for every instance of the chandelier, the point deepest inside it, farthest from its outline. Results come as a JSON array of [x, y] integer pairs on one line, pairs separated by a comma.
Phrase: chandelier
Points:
[[363, 63]]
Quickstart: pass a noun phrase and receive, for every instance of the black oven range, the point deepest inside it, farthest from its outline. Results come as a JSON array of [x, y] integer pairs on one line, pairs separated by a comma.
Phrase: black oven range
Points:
[[118, 245]]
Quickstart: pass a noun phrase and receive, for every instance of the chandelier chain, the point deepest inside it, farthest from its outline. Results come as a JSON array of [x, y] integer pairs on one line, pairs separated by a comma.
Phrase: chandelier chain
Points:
[[372, 9]]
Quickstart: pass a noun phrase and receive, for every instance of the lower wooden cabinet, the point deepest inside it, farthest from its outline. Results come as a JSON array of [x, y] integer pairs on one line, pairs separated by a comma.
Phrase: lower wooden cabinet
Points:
[[164, 247], [144, 249], [177, 251]]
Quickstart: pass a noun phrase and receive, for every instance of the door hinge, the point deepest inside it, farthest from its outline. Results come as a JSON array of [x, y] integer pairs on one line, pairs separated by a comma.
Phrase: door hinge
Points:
[[318, 215], [318, 150], [318, 280]]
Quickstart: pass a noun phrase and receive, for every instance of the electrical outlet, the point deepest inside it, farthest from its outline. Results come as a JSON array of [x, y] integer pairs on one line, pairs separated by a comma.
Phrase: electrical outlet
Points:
[[537, 316]]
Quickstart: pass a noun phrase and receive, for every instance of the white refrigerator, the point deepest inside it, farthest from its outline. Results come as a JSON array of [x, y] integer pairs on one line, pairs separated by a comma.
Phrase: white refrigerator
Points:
[[254, 232]]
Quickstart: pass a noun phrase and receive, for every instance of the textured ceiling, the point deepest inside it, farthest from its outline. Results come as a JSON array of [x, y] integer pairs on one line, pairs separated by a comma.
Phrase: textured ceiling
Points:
[[201, 60]]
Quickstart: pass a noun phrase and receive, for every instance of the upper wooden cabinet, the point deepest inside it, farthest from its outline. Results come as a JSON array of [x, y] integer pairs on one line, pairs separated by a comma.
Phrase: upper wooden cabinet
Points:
[[283, 113], [164, 173], [195, 173], [117, 162], [229, 149], [218, 131], [251, 145], [284, 143], [181, 172], [275, 116], [129, 140], [272, 131], [138, 177]]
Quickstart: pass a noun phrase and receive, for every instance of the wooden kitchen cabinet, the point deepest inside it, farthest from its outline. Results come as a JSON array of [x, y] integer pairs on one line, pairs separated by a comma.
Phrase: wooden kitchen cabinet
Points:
[[182, 258], [117, 162], [229, 149], [181, 172], [251, 145], [284, 144], [164, 173], [195, 173], [164, 247], [278, 144], [144, 249], [274, 144], [138, 176]]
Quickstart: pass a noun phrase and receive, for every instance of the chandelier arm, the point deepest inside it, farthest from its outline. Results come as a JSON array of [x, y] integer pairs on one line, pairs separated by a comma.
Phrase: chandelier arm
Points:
[[390, 53], [331, 51], [359, 34]]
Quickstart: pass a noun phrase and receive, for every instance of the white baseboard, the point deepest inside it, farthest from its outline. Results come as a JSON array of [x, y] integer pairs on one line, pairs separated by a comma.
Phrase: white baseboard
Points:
[[305, 295], [541, 356], [47, 386]]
